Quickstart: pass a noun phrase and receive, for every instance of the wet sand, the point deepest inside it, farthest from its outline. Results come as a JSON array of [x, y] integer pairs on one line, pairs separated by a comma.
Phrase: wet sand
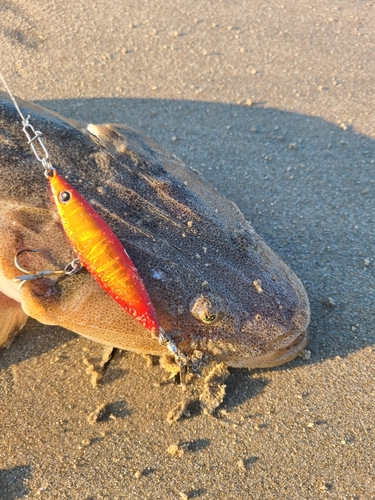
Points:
[[274, 103]]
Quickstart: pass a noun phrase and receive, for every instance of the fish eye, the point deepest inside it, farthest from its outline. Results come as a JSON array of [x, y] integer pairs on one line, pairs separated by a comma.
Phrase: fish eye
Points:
[[209, 319], [64, 196], [206, 308]]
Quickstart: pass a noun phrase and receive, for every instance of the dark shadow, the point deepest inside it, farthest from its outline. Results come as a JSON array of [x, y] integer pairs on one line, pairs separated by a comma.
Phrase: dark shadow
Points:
[[12, 482], [196, 493], [117, 409], [198, 444], [305, 184], [148, 471], [241, 387], [194, 408], [249, 462], [112, 375], [110, 372]]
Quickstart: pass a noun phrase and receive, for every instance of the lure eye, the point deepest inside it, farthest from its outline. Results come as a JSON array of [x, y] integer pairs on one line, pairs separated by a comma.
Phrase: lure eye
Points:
[[64, 197], [207, 308]]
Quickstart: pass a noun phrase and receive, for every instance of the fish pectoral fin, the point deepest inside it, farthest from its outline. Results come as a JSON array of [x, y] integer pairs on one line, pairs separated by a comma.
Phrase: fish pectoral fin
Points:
[[12, 319]]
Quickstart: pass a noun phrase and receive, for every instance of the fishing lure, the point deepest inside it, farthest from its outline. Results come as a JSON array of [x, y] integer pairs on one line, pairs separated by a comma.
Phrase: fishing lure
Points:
[[101, 253], [97, 247]]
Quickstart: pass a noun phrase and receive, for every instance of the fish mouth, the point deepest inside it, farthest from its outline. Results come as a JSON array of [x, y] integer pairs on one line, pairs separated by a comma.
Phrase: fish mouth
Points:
[[273, 356], [284, 354]]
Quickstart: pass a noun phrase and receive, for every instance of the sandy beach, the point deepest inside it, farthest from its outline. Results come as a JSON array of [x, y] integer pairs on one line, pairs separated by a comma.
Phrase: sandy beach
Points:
[[274, 103]]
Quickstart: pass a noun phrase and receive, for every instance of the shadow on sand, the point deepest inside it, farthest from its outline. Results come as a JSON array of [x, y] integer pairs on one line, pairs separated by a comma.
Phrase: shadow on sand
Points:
[[12, 482]]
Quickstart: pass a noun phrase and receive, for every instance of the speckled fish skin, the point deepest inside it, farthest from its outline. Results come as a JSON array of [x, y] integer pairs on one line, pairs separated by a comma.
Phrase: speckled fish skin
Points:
[[215, 285]]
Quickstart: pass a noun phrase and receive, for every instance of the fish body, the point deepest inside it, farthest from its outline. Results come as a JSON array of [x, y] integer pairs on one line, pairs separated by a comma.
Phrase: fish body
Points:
[[215, 285]]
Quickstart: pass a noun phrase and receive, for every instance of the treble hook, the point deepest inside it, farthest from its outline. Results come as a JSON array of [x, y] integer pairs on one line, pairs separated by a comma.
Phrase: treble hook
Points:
[[73, 267]]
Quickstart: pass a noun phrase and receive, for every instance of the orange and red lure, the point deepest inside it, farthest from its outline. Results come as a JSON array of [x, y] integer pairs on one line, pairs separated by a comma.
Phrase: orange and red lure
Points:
[[101, 253]]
